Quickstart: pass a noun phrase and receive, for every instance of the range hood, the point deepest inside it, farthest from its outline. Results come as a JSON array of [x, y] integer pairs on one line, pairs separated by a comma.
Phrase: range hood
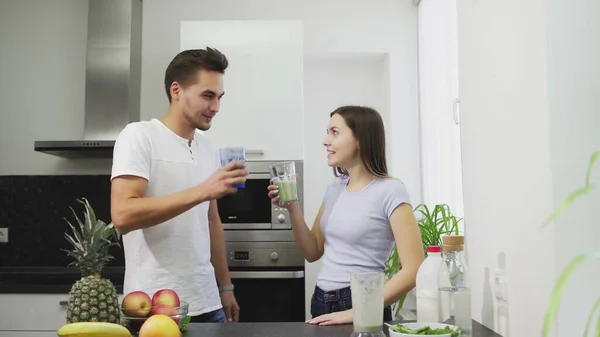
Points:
[[112, 83]]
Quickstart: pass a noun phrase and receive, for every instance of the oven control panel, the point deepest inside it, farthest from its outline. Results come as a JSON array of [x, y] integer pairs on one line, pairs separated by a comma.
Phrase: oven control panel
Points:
[[280, 218], [263, 254]]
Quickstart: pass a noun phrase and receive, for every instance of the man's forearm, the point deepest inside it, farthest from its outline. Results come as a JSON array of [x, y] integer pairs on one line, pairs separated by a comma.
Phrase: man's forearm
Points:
[[137, 213]]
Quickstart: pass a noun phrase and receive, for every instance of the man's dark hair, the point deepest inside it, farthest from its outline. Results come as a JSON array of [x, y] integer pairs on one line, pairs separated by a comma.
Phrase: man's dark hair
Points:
[[185, 66]]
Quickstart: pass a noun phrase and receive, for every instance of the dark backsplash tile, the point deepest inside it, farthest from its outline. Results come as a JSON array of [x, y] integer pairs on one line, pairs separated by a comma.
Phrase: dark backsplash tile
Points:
[[34, 209]]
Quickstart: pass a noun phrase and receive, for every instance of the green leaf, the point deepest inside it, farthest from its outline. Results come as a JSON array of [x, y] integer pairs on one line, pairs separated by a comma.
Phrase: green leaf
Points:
[[184, 325], [580, 192], [88, 208], [567, 202], [591, 317], [433, 223], [593, 159], [75, 244], [561, 283], [559, 289], [75, 232]]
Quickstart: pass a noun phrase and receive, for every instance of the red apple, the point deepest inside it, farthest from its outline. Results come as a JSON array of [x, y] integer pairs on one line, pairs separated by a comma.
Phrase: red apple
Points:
[[167, 297], [136, 304], [159, 326], [162, 309]]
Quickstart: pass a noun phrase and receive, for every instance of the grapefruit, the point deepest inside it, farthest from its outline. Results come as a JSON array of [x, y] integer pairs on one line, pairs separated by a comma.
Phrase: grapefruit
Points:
[[159, 326]]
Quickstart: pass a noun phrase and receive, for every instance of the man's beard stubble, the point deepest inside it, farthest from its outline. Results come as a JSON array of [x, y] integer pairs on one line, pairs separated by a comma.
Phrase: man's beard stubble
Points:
[[195, 124]]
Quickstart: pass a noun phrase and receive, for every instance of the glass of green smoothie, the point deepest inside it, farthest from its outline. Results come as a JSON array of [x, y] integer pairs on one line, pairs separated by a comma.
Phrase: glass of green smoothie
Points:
[[366, 289], [285, 177]]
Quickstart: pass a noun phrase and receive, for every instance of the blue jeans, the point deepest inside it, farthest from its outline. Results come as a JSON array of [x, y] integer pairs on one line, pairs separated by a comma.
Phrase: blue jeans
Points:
[[216, 316], [323, 302]]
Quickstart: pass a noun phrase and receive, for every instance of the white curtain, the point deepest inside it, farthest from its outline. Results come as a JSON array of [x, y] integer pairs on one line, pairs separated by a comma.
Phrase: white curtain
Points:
[[439, 114]]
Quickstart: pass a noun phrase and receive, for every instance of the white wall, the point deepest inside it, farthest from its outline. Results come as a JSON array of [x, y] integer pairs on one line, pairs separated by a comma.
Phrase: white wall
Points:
[[573, 63], [529, 95], [358, 79], [507, 176], [42, 64], [333, 26]]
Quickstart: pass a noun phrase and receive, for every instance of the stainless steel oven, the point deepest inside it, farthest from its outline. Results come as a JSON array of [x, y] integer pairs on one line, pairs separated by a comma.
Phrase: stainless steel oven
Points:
[[266, 266], [250, 208], [269, 281]]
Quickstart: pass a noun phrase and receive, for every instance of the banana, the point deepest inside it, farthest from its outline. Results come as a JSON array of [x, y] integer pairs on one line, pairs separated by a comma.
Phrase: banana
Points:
[[93, 329]]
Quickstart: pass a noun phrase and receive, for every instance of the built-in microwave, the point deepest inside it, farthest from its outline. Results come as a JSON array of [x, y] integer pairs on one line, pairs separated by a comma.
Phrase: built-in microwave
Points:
[[250, 208]]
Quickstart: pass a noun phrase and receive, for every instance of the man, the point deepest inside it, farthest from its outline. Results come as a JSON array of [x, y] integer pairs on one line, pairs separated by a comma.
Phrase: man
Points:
[[166, 178]]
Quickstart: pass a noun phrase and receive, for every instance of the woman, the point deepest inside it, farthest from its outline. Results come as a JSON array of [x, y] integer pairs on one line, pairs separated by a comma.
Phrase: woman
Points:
[[363, 213]]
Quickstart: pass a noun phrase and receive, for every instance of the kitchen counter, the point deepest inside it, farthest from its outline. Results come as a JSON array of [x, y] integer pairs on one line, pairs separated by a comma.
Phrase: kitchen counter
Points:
[[49, 280], [299, 329], [289, 330]]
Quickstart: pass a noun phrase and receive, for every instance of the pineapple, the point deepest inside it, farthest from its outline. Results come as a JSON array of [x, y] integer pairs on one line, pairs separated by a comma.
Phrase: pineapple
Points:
[[92, 298]]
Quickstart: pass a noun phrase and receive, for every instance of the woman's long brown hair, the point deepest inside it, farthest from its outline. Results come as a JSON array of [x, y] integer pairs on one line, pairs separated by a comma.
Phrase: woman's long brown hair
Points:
[[367, 126]]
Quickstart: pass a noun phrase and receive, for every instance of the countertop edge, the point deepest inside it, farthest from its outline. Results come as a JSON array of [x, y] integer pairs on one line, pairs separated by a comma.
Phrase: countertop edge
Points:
[[41, 289]]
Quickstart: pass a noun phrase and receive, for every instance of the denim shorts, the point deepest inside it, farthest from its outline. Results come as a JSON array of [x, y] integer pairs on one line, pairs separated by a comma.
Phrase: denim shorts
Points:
[[216, 316], [325, 302]]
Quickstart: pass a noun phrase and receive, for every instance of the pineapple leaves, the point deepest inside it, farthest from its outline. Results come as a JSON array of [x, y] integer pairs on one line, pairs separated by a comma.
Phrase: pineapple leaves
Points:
[[76, 243], [90, 211], [91, 241]]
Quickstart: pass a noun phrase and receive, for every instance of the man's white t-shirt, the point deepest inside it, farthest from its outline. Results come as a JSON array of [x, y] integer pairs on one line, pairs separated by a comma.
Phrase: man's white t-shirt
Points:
[[176, 253]]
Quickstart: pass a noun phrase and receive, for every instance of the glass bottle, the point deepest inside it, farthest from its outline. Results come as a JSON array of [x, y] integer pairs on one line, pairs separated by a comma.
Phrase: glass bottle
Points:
[[454, 285], [501, 297]]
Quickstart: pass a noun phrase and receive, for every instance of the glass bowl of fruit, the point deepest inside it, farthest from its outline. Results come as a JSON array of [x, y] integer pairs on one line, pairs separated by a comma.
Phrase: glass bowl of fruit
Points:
[[178, 313], [137, 306], [134, 319], [133, 323]]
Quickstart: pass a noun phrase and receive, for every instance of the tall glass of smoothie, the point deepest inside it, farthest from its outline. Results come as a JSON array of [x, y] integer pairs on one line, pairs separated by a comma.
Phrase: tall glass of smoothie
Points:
[[285, 177], [366, 289]]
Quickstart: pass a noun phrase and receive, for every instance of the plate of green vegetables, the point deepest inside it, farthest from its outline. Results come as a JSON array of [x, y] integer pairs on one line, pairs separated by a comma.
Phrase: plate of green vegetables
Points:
[[423, 329]]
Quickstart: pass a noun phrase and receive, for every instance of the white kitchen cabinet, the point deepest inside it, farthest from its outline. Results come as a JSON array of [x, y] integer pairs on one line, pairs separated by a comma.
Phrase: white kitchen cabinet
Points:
[[33, 312], [263, 104]]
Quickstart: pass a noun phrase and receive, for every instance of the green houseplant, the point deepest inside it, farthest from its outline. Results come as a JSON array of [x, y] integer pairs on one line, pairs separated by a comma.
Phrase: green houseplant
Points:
[[561, 283], [433, 224]]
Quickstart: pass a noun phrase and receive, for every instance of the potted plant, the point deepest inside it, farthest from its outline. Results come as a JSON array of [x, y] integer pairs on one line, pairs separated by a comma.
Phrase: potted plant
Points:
[[561, 283], [433, 224]]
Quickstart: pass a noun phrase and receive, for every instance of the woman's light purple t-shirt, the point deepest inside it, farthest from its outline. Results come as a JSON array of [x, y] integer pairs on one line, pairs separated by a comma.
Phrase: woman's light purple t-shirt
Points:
[[356, 228]]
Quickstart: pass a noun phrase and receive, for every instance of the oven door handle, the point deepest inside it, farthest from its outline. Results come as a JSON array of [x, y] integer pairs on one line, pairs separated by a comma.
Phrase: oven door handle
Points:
[[256, 175], [266, 274]]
